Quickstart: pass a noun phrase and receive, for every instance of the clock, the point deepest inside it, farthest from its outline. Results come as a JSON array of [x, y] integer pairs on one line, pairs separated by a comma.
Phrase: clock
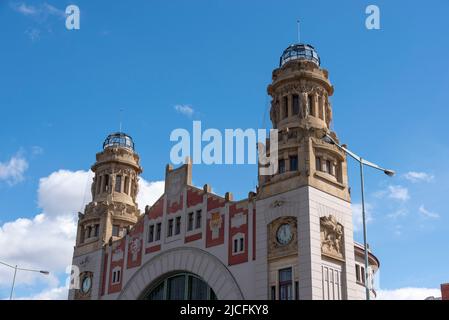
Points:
[[284, 234], [86, 284]]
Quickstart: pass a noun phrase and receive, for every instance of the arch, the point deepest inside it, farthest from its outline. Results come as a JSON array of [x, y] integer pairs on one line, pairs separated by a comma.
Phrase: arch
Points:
[[188, 259]]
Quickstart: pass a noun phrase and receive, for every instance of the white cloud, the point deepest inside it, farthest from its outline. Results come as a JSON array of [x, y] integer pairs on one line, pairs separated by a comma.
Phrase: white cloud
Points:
[[408, 294], [12, 171], [186, 110], [415, 177], [42, 11], [25, 9], [398, 193], [401, 212], [427, 213], [46, 241], [149, 193], [357, 216]]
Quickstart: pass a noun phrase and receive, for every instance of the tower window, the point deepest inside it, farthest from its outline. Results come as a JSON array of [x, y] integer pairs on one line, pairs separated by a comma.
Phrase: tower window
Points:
[[190, 224], [281, 166], [295, 99], [127, 185], [318, 164], [310, 105], [285, 284], [170, 228], [151, 233], [106, 183], [285, 106], [178, 225], [96, 230], [158, 231], [115, 230], [198, 219], [118, 184], [357, 272], [293, 163], [328, 167]]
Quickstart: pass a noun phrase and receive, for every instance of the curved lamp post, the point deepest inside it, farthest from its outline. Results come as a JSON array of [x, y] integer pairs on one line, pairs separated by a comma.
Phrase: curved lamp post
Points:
[[362, 162], [16, 268]]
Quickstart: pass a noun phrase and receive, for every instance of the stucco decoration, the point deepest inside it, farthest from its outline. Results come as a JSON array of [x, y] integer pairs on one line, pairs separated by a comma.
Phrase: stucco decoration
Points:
[[332, 241]]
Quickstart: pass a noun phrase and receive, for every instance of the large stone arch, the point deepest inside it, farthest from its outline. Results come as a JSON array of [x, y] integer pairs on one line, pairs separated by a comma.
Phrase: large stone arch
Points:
[[194, 260]]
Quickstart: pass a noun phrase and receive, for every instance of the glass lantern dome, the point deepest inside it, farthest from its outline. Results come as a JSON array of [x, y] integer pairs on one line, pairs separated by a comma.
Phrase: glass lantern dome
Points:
[[299, 52], [119, 140]]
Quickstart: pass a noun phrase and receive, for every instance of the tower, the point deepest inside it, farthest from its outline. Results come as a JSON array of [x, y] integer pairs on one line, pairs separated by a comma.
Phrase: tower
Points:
[[113, 209], [303, 210]]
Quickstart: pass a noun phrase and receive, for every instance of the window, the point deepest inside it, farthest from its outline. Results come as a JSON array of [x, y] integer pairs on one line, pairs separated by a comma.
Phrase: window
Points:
[[127, 185], [98, 185], [96, 230], [116, 275], [331, 283], [273, 292], [158, 231], [285, 106], [328, 167], [178, 225], [318, 164], [281, 166], [151, 233], [170, 228], [357, 272], [190, 224], [238, 243], [293, 163], [106, 183], [295, 99], [198, 219], [118, 184], [310, 105], [89, 232], [285, 284], [115, 230], [363, 274]]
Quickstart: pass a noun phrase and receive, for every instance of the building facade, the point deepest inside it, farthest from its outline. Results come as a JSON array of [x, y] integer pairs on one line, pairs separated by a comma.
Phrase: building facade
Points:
[[291, 239]]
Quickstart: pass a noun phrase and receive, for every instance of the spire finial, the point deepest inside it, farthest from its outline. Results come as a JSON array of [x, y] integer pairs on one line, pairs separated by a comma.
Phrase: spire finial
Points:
[[299, 34]]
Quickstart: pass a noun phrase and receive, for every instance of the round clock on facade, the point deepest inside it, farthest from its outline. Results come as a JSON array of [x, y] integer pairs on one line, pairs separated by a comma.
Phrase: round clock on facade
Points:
[[284, 234], [86, 285]]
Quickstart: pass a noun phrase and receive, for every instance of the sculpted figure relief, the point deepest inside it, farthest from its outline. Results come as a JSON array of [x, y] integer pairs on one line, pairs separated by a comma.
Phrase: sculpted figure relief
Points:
[[331, 237]]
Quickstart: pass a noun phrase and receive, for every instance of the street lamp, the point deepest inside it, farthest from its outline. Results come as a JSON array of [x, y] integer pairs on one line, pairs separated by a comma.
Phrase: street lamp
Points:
[[362, 162], [16, 268]]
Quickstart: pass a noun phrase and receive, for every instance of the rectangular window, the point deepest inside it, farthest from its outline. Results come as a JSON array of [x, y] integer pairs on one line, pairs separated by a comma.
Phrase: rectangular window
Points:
[[285, 106], [363, 275], [170, 228], [96, 230], [115, 230], [295, 99], [331, 283], [236, 243], [296, 290], [198, 219], [294, 163], [242, 245], [89, 232], [158, 231], [273, 292], [178, 225], [285, 284], [328, 167], [190, 224], [118, 276], [151, 233], [281, 166], [118, 184], [106, 183], [357, 272], [127, 185], [318, 164], [310, 105]]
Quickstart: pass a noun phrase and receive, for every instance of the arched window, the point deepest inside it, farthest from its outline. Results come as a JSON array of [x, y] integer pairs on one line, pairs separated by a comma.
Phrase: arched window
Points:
[[180, 286]]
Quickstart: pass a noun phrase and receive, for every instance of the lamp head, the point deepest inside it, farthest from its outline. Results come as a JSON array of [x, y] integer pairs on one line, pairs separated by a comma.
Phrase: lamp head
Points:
[[389, 173], [45, 272]]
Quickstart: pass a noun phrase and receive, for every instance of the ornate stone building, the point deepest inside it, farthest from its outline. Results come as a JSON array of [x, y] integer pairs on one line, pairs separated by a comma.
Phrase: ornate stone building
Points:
[[292, 239]]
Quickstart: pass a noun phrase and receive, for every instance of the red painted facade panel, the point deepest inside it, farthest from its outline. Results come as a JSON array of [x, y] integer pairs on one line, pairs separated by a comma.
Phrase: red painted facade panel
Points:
[[135, 245], [194, 237], [153, 249], [175, 206], [215, 224], [117, 262], [234, 259], [194, 197], [445, 291], [157, 210]]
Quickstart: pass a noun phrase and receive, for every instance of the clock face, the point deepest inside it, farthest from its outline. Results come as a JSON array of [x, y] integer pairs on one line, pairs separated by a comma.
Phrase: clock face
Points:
[[284, 234], [86, 285]]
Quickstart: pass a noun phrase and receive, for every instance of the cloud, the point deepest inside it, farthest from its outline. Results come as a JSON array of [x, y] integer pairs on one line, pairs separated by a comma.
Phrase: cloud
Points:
[[46, 240], [12, 171], [25, 9], [401, 212], [40, 12], [408, 294], [186, 110], [428, 214], [415, 177], [398, 193], [357, 217], [149, 193]]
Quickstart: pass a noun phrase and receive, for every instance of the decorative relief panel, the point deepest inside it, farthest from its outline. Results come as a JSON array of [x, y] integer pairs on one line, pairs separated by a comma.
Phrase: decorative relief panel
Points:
[[332, 237], [277, 249]]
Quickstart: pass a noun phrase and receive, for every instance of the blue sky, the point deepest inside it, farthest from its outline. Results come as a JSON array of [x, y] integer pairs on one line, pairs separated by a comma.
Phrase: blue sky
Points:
[[61, 92]]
